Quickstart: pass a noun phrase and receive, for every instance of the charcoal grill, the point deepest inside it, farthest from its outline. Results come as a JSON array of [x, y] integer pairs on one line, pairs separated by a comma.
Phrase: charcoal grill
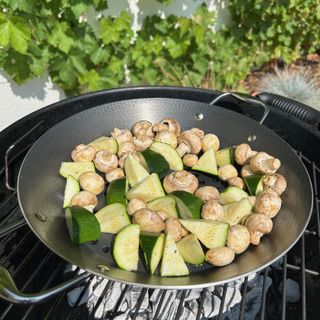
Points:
[[35, 268]]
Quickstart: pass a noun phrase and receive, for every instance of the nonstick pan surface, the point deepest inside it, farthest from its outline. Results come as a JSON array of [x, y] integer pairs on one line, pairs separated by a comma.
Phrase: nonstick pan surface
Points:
[[41, 188]]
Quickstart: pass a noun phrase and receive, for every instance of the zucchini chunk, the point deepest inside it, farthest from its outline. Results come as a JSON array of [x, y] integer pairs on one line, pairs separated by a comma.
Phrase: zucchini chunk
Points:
[[71, 189], [254, 184], [126, 248], [191, 249], [207, 163], [232, 194], [225, 156], [154, 162], [135, 172], [116, 191], [75, 169], [167, 204], [235, 211], [113, 218], [105, 143]]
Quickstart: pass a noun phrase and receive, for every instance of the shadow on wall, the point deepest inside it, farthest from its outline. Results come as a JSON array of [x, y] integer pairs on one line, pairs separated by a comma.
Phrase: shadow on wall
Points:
[[38, 88]]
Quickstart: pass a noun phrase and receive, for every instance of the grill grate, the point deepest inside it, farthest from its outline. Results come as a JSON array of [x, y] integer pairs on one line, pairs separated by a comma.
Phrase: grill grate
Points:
[[38, 268]]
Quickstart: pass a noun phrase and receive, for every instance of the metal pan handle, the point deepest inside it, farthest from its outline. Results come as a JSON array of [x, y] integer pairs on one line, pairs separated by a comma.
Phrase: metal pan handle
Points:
[[244, 99], [9, 291]]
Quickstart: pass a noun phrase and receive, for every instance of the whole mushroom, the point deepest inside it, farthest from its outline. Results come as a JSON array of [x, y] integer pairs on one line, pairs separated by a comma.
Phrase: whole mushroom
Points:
[[188, 143], [142, 128], [189, 159], [263, 163], [268, 203], [125, 148], [258, 224], [238, 238], [227, 171], [141, 142], [210, 140], [220, 257], [105, 161], [236, 182], [212, 210], [243, 153], [91, 181], [121, 136], [168, 124], [167, 137], [198, 132], [135, 204], [84, 199], [173, 226], [277, 182], [148, 220], [83, 152], [207, 193], [180, 180], [114, 174]]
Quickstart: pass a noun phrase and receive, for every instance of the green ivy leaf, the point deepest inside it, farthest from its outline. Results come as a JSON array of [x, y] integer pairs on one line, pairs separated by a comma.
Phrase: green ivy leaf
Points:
[[78, 63], [14, 31], [100, 55], [91, 79], [68, 73], [59, 39]]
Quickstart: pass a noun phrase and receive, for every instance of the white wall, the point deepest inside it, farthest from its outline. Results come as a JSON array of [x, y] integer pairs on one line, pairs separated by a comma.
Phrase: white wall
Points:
[[18, 101]]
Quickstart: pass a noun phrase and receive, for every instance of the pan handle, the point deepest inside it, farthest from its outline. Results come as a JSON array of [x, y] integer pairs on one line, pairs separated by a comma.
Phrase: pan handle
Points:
[[10, 293], [244, 99]]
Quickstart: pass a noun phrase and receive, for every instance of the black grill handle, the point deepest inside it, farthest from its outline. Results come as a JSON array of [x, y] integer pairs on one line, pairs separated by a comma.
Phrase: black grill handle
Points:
[[292, 107]]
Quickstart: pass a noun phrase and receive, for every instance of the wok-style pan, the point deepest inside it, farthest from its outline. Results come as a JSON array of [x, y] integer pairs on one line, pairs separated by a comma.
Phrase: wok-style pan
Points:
[[40, 187]]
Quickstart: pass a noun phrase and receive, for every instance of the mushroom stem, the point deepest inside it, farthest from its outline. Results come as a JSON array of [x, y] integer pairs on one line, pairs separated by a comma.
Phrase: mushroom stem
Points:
[[182, 149], [272, 164]]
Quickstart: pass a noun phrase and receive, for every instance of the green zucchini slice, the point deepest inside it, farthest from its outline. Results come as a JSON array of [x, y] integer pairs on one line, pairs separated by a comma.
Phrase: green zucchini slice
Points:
[[154, 162], [135, 172], [224, 156], [71, 189], [116, 191], [105, 143], [232, 194], [167, 204], [126, 247], [113, 218], [207, 163], [254, 184], [235, 211], [191, 249], [75, 169]]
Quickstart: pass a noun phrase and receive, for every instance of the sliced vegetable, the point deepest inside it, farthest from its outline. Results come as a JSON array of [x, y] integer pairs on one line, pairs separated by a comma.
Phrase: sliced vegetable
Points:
[[232, 194], [152, 245], [167, 204], [172, 262], [154, 162], [254, 184], [116, 191], [105, 143], [75, 169], [71, 189], [113, 218], [135, 172], [235, 211], [191, 249], [212, 234], [126, 247], [207, 163], [224, 156], [82, 225], [189, 205], [170, 154], [148, 189]]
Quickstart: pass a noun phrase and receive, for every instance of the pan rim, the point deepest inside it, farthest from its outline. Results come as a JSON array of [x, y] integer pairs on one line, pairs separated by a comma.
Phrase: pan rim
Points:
[[166, 286]]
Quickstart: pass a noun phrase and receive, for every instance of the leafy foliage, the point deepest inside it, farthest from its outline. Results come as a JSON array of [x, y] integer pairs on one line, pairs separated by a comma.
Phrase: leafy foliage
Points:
[[284, 29], [84, 54]]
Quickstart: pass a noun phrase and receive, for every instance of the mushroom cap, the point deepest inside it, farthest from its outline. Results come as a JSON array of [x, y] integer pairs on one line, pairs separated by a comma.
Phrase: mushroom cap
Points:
[[268, 203], [220, 256], [227, 171], [246, 171], [207, 193], [126, 147], [191, 140], [173, 226], [142, 142], [114, 174], [198, 132], [121, 136], [83, 152], [277, 182], [142, 128], [168, 138], [236, 182], [105, 161], [242, 154], [210, 140], [189, 159], [212, 210], [148, 220], [263, 163], [259, 222], [238, 238], [135, 204], [172, 125], [84, 199], [91, 181], [180, 180]]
